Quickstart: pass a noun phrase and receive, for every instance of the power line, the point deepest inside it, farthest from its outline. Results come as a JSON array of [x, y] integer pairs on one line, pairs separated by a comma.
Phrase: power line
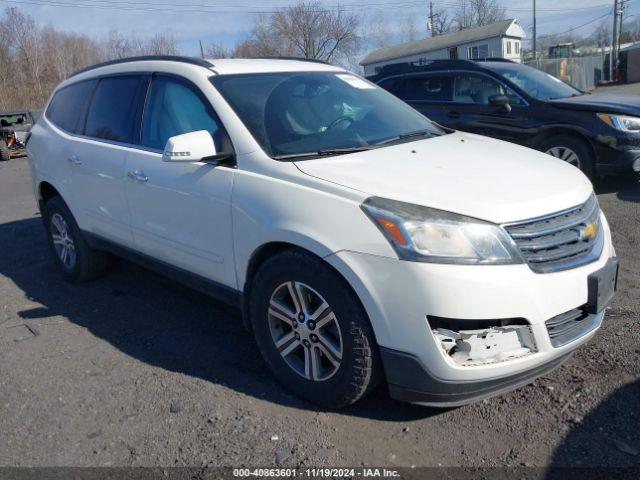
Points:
[[247, 8], [579, 26]]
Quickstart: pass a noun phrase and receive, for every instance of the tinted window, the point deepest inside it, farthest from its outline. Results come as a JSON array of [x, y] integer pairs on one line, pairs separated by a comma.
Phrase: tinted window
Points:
[[478, 89], [68, 105], [115, 109], [173, 108], [536, 83], [432, 88], [392, 85]]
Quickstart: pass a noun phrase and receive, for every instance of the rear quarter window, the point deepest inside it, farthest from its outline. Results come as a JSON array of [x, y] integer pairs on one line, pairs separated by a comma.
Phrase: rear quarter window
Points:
[[116, 109], [66, 109]]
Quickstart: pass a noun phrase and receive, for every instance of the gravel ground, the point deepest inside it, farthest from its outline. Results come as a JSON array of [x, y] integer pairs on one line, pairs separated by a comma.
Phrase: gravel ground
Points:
[[133, 369]]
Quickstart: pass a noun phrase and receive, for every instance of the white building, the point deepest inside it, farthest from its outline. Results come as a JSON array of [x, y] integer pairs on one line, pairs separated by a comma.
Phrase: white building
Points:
[[498, 40]]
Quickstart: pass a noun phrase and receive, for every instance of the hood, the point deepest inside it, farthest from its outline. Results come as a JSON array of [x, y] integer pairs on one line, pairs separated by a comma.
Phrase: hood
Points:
[[601, 102], [463, 173]]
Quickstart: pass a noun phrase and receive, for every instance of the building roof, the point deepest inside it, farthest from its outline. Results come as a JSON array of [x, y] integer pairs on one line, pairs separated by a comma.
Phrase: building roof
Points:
[[505, 27]]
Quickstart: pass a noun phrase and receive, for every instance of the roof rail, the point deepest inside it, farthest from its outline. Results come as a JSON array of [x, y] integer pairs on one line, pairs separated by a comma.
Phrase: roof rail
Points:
[[414, 67], [166, 58], [408, 67], [494, 59], [300, 59]]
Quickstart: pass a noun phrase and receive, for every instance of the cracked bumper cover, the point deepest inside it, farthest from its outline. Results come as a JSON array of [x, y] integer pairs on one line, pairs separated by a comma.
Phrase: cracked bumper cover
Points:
[[409, 381]]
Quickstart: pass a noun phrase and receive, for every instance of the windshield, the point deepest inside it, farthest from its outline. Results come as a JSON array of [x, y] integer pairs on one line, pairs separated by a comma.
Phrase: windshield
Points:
[[536, 83], [298, 113]]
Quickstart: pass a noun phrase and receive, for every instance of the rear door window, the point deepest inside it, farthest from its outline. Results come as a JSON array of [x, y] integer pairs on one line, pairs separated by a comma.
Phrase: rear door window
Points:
[[432, 88], [68, 106], [116, 108]]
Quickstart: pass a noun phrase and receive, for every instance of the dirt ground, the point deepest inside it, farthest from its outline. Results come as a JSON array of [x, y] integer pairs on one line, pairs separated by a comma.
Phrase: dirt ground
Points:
[[133, 369]]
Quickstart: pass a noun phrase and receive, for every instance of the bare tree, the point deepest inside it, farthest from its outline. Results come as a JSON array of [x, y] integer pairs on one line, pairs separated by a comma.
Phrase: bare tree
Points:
[[630, 30], [215, 50], [306, 29], [476, 13], [162, 43], [263, 41], [442, 22], [377, 31], [408, 28]]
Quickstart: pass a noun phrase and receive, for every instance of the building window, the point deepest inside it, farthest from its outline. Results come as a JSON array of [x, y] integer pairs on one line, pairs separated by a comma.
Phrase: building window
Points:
[[453, 53], [508, 47], [481, 51], [517, 47]]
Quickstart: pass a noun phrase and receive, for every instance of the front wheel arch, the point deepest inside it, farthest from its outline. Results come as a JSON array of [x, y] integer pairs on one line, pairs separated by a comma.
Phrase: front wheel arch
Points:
[[269, 250], [547, 139]]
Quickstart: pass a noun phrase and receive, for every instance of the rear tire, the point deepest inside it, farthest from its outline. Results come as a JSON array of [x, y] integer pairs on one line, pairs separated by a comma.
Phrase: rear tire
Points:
[[5, 155], [333, 363], [75, 260], [572, 150]]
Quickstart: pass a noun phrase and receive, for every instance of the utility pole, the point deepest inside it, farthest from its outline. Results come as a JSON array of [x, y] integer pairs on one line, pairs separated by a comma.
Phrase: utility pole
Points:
[[432, 25], [535, 44], [613, 54]]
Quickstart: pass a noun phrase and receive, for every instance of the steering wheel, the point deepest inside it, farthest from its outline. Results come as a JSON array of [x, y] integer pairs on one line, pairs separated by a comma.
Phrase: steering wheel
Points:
[[339, 120]]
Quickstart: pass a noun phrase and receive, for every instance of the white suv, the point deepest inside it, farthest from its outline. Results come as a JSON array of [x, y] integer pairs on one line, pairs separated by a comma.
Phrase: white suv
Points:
[[361, 240]]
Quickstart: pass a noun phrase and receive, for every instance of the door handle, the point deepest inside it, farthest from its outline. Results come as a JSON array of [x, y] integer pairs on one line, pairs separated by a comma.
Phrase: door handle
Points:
[[454, 114], [138, 176], [74, 159]]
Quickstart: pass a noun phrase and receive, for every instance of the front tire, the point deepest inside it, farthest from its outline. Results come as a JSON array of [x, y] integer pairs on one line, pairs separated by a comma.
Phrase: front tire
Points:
[[312, 331], [571, 150], [75, 260]]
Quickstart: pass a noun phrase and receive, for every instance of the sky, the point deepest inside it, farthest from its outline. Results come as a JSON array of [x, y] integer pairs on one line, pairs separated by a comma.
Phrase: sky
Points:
[[227, 21]]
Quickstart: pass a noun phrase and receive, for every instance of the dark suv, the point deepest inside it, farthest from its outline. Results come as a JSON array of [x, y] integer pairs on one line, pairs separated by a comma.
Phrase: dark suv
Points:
[[598, 133]]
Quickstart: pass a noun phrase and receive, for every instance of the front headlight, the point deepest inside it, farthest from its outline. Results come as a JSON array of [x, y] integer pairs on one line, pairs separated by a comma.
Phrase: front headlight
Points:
[[428, 235], [621, 122]]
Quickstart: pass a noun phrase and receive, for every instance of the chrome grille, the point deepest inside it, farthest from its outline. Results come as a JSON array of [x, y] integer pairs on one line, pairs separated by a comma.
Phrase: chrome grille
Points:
[[560, 241]]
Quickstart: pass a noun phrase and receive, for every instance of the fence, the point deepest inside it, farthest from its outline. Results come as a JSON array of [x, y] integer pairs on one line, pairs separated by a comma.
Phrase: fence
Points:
[[581, 72]]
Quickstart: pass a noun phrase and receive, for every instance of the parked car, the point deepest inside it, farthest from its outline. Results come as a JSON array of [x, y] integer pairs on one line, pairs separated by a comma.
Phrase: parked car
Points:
[[598, 133], [14, 130], [361, 240]]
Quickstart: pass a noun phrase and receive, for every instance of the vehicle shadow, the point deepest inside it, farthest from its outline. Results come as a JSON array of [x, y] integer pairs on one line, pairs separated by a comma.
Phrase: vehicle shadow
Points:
[[626, 187], [158, 321], [608, 436]]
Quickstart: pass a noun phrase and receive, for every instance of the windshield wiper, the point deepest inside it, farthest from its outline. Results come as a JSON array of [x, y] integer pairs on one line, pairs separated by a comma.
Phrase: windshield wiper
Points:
[[340, 151], [323, 152], [402, 136]]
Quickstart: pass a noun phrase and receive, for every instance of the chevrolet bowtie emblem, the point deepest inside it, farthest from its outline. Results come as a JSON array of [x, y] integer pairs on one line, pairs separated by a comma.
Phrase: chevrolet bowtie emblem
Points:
[[589, 232]]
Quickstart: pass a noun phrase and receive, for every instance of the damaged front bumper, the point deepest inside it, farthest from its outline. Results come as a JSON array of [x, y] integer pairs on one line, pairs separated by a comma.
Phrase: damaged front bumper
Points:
[[485, 345], [409, 381]]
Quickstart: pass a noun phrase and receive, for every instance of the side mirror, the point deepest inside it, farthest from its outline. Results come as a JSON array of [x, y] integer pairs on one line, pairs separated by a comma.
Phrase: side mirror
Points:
[[500, 101], [194, 147]]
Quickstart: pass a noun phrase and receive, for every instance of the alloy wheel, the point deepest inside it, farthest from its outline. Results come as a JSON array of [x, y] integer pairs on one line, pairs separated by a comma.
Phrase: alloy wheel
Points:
[[62, 241], [305, 331], [566, 154]]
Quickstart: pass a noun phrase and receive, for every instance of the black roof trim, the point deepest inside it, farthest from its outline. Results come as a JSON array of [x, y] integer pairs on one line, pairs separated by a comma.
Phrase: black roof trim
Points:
[[494, 59], [165, 58], [411, 67], [300, 59]]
